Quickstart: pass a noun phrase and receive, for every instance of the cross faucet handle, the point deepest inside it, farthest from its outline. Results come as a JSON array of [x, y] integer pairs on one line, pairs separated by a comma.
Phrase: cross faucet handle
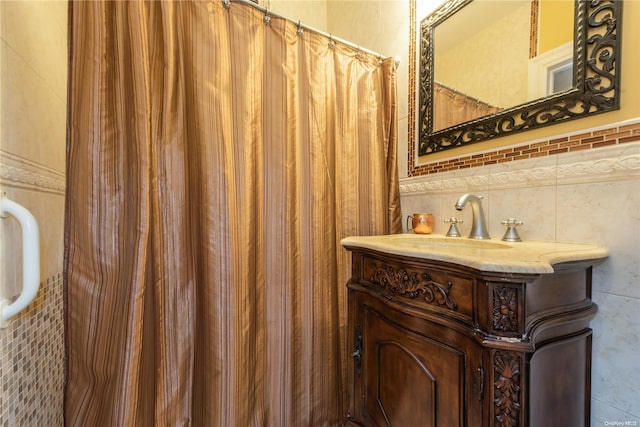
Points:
[[453, 228], [511, 235]]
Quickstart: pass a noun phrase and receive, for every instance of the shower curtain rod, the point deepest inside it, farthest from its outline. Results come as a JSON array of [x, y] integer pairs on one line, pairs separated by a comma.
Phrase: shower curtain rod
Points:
[[331, 37]]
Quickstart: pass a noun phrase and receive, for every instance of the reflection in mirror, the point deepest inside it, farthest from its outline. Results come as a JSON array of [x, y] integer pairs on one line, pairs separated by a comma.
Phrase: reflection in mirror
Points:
[[481, 49], [492, 68]]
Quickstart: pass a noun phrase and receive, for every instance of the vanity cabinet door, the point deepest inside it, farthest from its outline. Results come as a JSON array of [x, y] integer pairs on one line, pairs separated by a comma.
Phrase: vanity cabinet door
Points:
[[414, 372]]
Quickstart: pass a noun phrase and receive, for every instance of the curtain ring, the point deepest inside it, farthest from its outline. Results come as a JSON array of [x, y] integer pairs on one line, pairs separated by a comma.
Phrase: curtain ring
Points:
[[331, 42], [299, 30], [380, 61], [358, 53], [267, 17], [226, 4]]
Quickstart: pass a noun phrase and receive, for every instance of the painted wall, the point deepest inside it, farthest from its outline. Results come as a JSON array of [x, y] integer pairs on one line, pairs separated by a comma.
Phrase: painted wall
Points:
[[32, 154], [552, 15], [310, 12]]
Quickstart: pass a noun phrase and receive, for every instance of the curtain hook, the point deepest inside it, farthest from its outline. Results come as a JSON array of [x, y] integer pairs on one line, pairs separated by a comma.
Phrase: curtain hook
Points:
[[226, 4], [380, 61], [331, 42], [267, 17], [358, 53], [299, 31]]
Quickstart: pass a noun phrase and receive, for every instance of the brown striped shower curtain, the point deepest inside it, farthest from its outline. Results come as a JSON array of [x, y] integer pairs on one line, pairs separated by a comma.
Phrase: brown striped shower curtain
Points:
[[214, 163]]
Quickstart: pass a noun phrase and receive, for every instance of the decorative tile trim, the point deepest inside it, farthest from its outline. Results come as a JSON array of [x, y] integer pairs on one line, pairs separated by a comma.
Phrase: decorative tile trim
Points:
[[614, 135], [411, 89], [601, 167], [607, 164], [533, 38], [19, 172]]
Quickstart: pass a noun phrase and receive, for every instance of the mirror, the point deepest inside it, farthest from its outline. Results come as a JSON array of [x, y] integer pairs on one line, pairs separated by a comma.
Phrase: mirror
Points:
[[488, 69]]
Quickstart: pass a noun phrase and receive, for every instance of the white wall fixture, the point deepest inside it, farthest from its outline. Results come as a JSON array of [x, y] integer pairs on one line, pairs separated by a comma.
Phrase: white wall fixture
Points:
[[30, 260]]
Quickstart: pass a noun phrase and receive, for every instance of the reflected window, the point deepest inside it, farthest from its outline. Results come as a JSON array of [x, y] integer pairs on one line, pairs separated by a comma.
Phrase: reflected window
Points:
[[560, 77]]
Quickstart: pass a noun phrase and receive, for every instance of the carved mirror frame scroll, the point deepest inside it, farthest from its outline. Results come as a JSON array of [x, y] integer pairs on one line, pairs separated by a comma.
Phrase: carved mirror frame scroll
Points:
[[596, 77]]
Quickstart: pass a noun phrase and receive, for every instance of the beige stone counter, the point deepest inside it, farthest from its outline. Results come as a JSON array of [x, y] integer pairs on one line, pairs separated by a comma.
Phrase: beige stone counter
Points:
[[531, 257]]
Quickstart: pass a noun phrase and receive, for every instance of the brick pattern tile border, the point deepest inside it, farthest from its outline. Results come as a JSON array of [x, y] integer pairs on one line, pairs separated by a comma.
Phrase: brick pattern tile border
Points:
[[576, 142]]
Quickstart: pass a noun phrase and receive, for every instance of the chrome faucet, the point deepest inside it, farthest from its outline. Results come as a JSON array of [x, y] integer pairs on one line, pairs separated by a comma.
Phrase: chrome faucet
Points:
[[479, 225]]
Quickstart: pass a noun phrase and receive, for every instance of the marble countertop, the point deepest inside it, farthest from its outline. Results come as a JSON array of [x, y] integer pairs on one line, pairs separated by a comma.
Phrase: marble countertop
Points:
[[492, 255]]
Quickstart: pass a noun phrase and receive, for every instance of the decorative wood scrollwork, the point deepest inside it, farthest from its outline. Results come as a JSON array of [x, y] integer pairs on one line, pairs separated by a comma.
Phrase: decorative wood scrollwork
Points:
[[505, 309], [409, 285], [507, 369]]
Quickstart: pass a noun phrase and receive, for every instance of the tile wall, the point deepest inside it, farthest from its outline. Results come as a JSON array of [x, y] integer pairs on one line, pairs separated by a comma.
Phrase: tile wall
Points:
[[32, 162], [578, 196], [32, 362]]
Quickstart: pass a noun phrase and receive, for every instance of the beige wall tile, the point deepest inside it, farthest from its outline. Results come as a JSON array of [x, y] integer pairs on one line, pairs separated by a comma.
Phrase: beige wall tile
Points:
[[615, 373], [33, 117], [37, 32]]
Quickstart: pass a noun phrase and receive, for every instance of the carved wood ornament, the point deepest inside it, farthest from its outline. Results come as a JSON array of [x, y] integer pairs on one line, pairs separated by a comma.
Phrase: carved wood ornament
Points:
[[506, 389], [409, 285], [505, 309]]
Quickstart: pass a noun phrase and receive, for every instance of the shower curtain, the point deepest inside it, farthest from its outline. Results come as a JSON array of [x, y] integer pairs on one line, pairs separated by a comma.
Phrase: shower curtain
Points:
[[214, 162]]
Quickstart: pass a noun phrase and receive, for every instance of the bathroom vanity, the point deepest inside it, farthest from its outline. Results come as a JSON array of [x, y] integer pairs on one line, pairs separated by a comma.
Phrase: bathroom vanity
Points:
[[460, 332]]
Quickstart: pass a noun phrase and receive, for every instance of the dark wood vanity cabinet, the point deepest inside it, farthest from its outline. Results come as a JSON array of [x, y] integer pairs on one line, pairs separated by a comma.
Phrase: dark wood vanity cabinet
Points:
[[439, 344]]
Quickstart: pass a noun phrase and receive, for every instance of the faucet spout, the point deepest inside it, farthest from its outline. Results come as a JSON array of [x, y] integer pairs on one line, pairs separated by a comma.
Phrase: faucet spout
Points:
[[479, 225]]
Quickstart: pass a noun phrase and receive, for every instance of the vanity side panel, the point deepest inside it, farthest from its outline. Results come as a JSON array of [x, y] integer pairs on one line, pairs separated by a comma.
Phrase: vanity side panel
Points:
[[559, 304], [558, 290], [560, 383]]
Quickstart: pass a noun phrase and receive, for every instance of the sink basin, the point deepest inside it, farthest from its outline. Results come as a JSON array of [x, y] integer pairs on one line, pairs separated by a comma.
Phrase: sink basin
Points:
[[447, 242], [484, 255]]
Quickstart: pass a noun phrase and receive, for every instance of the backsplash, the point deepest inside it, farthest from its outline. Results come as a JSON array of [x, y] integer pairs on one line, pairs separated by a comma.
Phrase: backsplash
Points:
[[587, 192]]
